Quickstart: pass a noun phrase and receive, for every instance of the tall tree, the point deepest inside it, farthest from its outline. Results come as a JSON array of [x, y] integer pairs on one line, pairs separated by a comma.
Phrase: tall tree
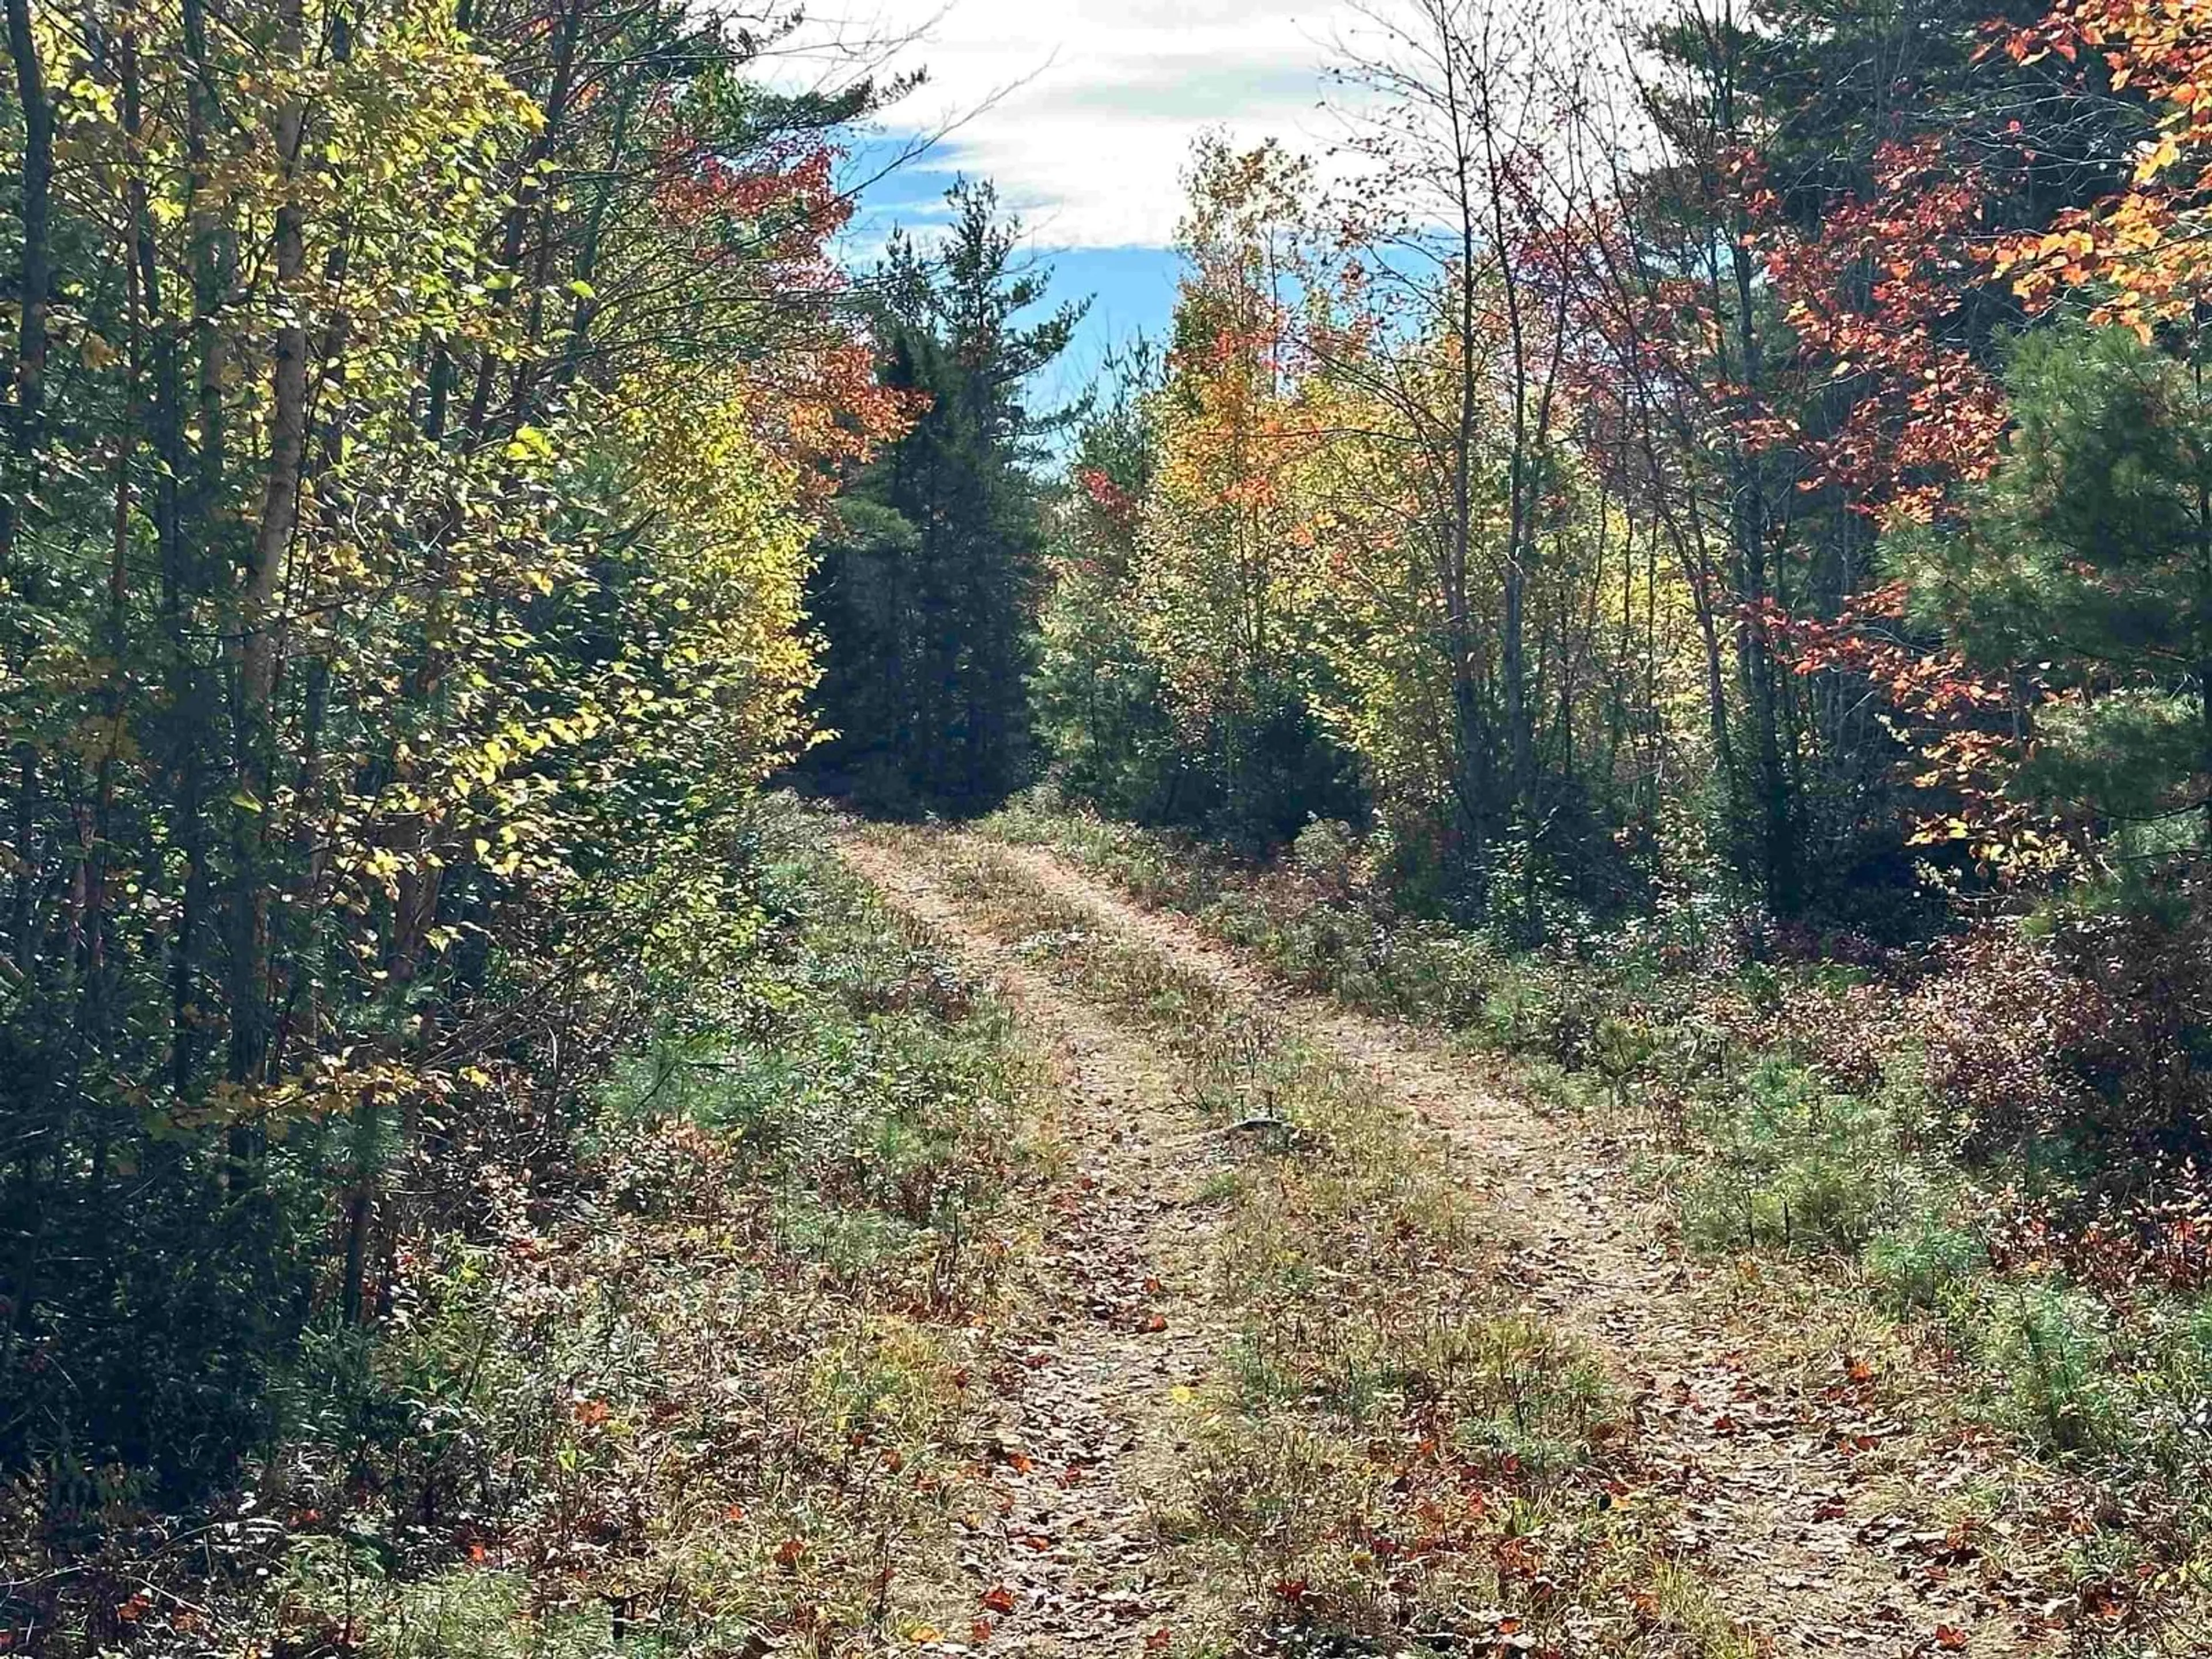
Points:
[[928, 582], [417, 418]]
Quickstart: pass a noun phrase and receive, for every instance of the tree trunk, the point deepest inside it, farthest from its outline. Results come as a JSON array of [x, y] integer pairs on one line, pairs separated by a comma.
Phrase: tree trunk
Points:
[[35, 187], [258, 622]]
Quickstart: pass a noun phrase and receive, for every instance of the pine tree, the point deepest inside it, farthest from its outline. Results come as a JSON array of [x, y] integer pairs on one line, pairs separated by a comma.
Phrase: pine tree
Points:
[[2086, 559], [928, 588]]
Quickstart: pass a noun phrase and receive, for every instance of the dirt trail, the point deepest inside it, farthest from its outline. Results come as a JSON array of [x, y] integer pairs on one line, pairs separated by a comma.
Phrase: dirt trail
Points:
[[1800, 1511], [1071, 1560]]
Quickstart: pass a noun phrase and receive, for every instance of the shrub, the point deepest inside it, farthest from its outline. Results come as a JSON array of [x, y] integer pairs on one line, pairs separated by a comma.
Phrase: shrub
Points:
[[1533, 1011], [1921, 1263], [2149, 1055], [2054, 1351], [1327, 853], [1999, 1018], [2095, 1028], [1795, 1164]]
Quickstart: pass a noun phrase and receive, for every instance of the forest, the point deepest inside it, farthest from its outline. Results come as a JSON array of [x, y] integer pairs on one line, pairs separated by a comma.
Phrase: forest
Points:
[[1508, 951]]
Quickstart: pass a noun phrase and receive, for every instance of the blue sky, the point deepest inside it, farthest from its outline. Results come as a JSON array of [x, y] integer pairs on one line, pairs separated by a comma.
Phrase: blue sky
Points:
[[1083, 114], [1132, 289]]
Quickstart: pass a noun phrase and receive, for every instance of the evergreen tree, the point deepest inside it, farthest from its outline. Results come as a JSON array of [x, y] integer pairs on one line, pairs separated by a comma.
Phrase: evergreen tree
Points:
[[1101, 708], [2089, 555], [928, 586]]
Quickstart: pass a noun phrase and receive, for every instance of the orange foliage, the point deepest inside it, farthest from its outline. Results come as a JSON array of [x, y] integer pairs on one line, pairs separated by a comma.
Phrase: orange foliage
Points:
[[1873, 299], [2151, 242]]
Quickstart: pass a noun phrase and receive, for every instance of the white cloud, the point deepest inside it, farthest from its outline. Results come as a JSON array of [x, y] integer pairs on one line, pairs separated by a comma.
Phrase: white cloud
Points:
[[1086, 110]]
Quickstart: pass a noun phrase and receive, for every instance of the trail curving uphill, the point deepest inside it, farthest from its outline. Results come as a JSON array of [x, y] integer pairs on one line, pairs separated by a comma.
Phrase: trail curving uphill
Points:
[[1799, 1505]]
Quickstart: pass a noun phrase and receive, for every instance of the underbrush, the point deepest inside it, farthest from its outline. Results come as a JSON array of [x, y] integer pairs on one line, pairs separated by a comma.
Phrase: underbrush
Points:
[[1981, 1150], [1392, 1457], [699, 1386]]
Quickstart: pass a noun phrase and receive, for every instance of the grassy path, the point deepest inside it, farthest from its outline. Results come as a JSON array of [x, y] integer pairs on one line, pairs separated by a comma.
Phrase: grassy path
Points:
[[1071, 1559], [1790, 1488]]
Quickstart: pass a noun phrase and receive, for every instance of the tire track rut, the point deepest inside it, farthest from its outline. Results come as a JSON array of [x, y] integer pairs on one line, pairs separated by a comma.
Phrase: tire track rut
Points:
[[1795, 1509], [1083, 1439]]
